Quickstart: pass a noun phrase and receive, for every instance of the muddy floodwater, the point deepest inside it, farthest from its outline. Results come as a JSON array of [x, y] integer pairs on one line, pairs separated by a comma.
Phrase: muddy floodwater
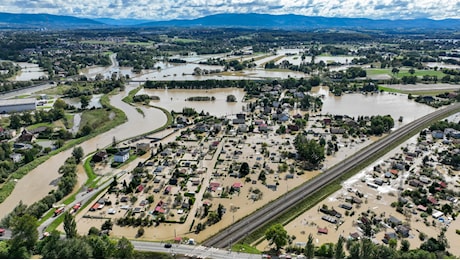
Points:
[[174, 99], [41, 180], [29, 71], [357, 104]]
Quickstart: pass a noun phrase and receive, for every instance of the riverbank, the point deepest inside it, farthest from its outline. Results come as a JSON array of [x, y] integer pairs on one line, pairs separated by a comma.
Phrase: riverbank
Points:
[[38, 182]]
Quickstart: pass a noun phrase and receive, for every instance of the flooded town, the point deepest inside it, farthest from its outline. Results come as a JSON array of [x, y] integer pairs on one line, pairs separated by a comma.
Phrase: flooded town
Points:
[[121, 137]]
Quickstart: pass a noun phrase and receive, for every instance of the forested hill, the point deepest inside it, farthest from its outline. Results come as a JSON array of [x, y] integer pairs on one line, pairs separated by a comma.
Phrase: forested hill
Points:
[[26, 21], [250, 20], [308, 22]]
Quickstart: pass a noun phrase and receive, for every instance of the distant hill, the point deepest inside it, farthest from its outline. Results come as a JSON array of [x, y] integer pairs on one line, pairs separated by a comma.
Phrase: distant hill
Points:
[[9, 20], [251, 20], [291, 21]]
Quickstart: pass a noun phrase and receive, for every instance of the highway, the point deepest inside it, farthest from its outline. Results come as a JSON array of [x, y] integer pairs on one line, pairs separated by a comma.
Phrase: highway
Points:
[[235, 232]]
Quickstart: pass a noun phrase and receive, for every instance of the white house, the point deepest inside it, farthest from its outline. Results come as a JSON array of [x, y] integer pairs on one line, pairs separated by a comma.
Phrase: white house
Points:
[[121, 156]]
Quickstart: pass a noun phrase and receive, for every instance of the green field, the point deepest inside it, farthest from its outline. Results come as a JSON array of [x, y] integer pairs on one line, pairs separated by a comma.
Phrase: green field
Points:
[[117, 43], [405, 72], [183, 40], [94, 118]]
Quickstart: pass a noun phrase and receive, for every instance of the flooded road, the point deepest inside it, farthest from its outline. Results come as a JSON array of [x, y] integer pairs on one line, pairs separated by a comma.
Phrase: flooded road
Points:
[[38, 182]]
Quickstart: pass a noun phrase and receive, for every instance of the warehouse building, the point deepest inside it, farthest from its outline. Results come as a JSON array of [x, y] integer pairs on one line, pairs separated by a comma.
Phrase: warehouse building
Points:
[[17, 105]]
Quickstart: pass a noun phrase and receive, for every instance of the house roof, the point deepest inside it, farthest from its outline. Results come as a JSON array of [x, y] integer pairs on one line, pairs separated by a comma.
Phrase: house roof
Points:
[[237, 185], [122, 152], [323, 230], [421, 207]]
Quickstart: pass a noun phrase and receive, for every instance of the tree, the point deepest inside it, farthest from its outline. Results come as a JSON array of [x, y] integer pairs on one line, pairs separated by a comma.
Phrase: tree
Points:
[[84, 100], [24, 235], [124, 249], [60, 104], [70, 226], [405, 245], [231, 98], [107, 225], [309, 150], [244, 169], [94, 231], [15, 121], [78, 153], [339, 253], [277, 235], [310, 248]]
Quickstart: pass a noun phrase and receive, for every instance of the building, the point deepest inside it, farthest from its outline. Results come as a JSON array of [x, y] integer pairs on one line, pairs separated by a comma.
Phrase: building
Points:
[[17, 105], [121, 156]]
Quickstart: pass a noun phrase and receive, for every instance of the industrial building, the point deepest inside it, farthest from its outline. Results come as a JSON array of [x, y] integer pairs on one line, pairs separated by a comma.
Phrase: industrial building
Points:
[[17, 105]]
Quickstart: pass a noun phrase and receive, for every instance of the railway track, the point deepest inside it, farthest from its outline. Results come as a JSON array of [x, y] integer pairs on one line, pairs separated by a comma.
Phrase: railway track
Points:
[[238, 230]]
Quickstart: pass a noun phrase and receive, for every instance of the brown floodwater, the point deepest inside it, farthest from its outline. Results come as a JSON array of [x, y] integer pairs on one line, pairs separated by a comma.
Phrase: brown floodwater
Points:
[[356, 104], [174, 99], [41, 180]]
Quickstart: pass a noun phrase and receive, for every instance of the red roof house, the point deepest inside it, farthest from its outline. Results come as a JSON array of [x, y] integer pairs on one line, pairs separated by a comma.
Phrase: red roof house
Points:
[[322, 231]]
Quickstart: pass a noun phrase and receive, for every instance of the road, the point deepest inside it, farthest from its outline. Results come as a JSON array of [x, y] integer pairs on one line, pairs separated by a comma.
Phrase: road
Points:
[[192, 251], [82, 198], [250, 223]]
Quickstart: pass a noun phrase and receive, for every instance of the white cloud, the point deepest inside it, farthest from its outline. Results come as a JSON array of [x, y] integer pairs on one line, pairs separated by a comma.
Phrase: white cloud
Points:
[[189, 9]]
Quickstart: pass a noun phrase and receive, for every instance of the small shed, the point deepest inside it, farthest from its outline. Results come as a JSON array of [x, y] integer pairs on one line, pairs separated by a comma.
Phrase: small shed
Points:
[[323, 230]]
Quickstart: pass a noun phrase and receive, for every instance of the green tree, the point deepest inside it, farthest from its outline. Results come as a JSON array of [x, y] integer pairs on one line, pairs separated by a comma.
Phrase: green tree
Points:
[[15, 121], [124, 249], [60, 104], [277, 235], [309, 150], [84, 100], [70, 226], [310, 247], [24, 235], [78, 153], [244, 169], [405, 245], [339, 253]]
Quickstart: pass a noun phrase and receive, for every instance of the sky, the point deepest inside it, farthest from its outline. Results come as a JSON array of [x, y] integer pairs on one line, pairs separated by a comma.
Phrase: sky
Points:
[[190, 9]]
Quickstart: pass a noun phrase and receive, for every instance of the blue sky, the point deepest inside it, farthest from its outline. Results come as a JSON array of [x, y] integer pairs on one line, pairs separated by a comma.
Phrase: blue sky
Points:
[[189, 9]]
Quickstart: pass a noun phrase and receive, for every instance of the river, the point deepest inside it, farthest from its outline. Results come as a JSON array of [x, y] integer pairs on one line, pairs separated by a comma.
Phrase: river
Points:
[[39, 181]]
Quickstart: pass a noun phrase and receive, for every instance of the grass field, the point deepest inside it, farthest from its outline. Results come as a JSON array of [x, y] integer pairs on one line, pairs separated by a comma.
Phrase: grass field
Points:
[[183, 40], [117, 43], [405, 72], [94, 118]]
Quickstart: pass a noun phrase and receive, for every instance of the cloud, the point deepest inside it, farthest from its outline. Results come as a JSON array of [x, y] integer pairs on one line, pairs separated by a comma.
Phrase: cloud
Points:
[[189, 9]]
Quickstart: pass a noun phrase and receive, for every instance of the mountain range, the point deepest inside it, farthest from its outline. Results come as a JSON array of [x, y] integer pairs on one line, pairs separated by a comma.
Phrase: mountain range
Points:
[[250, 20]]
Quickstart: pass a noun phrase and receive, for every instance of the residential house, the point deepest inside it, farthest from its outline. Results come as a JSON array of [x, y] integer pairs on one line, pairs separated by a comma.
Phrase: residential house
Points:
[[394, 221], [16, 157], [100, 156], [293, 127], [240, 119], [283, 117], [144, 147], [437, 134], [337, 130], [415, 183], [388, 236], [242, 128], [263, 128], [121, 156], [237, 186], [26, 136]]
